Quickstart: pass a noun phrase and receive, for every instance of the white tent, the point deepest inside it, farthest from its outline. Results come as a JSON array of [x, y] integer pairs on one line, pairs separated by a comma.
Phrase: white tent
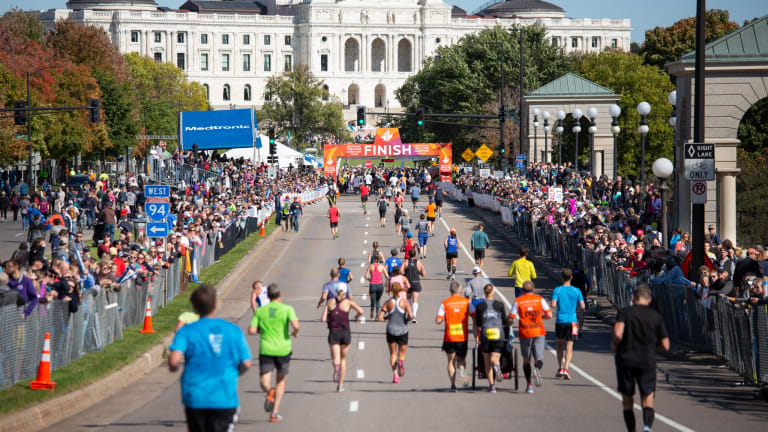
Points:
[[285, 155]]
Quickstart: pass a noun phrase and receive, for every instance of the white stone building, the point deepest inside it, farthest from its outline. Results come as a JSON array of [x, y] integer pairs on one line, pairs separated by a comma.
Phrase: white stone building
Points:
[[362, 49]]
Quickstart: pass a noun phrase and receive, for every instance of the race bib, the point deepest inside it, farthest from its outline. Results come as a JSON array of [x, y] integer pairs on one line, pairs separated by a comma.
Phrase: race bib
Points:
[[456, 330], [492, 334]]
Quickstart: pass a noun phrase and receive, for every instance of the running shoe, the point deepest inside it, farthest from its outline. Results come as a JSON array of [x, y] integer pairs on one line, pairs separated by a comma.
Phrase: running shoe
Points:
[[497, 375], [336, 373], [646, 429], [275, 418], [400, 368], [413, 321], [269, 400], [340, 389], [461, 374], [559, 373], [453, 389], [448, 277], [566, 375], [395, 379], [492, 389], [529, 389], [537, 376], [453, 277]]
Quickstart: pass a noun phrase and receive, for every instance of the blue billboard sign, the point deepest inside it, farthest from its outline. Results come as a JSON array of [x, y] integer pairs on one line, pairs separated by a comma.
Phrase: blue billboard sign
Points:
[[217, 129]]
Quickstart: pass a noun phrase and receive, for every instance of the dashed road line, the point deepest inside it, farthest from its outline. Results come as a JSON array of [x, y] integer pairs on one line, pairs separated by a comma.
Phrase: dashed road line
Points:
[[354, 406], [361, 345], [360, 374]]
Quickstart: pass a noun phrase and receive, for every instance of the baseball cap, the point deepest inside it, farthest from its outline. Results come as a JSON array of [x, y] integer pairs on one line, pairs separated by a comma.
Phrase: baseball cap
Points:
[[342, 287], [410, 234], [453, 230], [476, 270]]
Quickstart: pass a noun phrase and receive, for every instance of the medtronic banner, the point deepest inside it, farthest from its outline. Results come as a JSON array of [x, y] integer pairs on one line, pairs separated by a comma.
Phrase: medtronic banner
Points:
[[217, 129]]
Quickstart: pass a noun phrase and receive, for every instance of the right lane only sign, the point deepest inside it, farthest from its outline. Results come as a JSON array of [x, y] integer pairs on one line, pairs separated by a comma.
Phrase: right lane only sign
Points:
[[699, 162]]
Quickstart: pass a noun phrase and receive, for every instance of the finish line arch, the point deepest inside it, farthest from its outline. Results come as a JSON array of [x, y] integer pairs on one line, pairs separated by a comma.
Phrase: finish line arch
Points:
[[388, 145]]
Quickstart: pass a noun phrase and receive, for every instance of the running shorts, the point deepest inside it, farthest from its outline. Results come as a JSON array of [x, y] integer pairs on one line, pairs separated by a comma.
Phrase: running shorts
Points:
[[340, 337], [627, 376], [211, 420], [479, 253], [415, 287], [414, 199], [364, 198], [534, 345], [334, 224], [382, 213], [430, 218], [459, 348], [399, 340], [565, 331], [449, 255], [439, 202], [269, 363], [423, 237], [495, 346]]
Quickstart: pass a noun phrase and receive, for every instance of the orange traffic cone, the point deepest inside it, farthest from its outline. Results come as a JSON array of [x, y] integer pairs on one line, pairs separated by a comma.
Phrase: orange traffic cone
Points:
[[148, 319], [43, 381], [261, 231]]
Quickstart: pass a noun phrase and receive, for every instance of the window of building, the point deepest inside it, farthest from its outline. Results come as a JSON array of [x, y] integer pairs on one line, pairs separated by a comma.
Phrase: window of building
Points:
[[555, 41], [225, 93], [180, 61], [323, 62], [225, 39], [246, 39], [594, 41], [574, 42], [614, 43], [204, 39], [326, 93], [267, 40], [158, 57], [158, 37], [288, 40], [207, 91], [288, 62], [225, 62], [134, 36], [267, 62], [246, 62], [247, 92], [267, 96], [180, 37], [203, 62]]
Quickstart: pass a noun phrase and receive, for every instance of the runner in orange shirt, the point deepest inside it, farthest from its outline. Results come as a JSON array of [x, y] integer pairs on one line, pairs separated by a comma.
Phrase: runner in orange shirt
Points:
[[531, 310], [454, 312], [431, 215]]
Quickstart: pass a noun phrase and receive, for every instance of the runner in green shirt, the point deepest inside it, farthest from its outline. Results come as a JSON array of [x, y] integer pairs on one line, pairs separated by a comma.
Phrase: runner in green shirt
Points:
[[276, 322], [479, 244]]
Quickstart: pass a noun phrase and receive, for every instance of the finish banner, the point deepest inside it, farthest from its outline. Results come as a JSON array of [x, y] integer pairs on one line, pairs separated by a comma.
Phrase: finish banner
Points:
[[388, 145]]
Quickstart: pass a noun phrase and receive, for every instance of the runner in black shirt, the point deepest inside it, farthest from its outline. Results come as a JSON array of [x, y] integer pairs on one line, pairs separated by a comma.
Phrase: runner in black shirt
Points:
[[638, 332]]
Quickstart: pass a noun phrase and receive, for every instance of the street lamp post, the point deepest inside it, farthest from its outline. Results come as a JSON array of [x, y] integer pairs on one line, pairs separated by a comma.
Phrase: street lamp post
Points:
[[576, 129], [560, 117], [615, 111], [663, 168], [535, 113], [592, 114], [547, 128], [643, 108]]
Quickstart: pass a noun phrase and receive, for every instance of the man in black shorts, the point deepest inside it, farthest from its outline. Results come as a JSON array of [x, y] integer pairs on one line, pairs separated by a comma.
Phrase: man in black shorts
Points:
[[439, 201], [638, 332], [491, 321], [454, 312]]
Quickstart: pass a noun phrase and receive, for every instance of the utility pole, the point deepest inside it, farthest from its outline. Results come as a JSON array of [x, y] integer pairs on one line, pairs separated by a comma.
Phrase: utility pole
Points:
[[502, 114], [697, 210], [30, 178], [522, 92]]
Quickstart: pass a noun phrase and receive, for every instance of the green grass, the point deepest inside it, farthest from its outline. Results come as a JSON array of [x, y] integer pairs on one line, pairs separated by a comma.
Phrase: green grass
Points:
[[96, 365]]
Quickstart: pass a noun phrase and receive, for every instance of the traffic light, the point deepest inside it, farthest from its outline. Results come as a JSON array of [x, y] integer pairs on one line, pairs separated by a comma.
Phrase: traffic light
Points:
[[360, 115], [503, 150], [420, 116], [19, 116], [272, 142], [95, 110]]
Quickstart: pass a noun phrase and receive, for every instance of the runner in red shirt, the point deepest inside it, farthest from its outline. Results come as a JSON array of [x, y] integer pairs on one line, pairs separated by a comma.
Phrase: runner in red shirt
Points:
[[334, 215], [364, 197]]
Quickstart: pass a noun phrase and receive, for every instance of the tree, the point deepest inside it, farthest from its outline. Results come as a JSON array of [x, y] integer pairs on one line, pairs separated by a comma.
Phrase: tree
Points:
[[23, 25], [752, 183], [89, 45], [296, 104], [625, 74], [666, 44]]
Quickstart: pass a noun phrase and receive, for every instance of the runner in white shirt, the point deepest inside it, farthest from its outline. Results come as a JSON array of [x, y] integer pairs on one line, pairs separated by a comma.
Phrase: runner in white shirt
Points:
[[259, 296]]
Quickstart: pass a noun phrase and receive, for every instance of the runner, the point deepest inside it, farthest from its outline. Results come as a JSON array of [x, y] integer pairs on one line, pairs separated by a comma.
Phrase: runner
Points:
[[413, 269], [395, 276], [431, 209], [334, 214], [415, 191], [410, 243], [209, 394], [398, 215], [258, 295], [476, 286], [398, 313], [479, 243], [638, 332], [272, 321], [452, 245], [566, 299], [454, 312], [364, 198], [388, 194], [522, 270], [422, 228], [382, 211], [331, 287], [405, 225], [439, 201], [491, 320], [331, 195], [345, 275], [336, 314], [375, 253], [393, 261], [376, 274], [530, 309]]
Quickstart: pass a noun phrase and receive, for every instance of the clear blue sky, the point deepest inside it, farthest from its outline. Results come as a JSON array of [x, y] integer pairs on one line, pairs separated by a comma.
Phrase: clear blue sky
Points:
[[645, 14]]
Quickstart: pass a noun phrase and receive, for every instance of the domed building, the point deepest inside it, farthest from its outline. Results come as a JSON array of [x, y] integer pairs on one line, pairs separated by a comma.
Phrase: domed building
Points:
[[363, 50]]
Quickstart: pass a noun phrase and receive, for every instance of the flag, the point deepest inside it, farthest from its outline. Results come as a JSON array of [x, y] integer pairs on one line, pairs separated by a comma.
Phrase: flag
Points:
[[129, 273]]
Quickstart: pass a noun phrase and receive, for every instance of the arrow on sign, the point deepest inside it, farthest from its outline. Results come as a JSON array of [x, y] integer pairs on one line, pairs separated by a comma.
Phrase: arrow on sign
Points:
[[155, 230]]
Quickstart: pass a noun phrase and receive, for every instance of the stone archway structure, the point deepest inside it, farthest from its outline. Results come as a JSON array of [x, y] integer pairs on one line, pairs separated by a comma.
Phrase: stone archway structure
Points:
[[736, 74], [567, 93]]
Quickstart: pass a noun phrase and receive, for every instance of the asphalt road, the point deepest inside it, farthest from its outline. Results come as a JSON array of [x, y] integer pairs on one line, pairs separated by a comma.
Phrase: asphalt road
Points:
[[691, 396]]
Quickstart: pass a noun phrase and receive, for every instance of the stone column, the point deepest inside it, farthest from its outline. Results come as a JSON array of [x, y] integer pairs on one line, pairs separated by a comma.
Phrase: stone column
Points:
[[171, 43], [727, 204], [147, 42]]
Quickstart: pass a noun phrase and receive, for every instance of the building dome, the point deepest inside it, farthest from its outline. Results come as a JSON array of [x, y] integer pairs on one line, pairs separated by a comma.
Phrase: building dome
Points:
[[112, 4], [522, 9]]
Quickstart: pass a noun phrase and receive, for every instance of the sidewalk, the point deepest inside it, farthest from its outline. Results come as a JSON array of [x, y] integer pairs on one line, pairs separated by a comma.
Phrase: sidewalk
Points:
[[11, 234]]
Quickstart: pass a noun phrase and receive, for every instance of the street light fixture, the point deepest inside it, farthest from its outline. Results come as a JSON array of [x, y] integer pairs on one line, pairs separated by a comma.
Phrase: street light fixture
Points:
[[615, 111], [643, 108], [535, 113], [663, 168], [592, 114], [576, 129], [672, 98], [547, 128], [560, 117]]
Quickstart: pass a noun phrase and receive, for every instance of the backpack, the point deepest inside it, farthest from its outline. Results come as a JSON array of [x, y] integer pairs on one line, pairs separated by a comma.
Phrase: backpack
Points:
[[383, 205]]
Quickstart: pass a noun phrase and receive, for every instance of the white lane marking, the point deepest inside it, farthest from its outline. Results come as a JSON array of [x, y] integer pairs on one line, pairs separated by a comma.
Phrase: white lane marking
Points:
[[369, 218], [21, 234], [362, 264], [362, 319], [360, 374], [366, 233], [578, 370], [354, 406], [364, 296], [365, 241], [361, 345], [362, 281], [366, 225], [365, 251]]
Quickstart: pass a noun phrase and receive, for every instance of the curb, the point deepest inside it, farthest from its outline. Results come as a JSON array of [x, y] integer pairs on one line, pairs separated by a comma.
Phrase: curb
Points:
[[59, 408]]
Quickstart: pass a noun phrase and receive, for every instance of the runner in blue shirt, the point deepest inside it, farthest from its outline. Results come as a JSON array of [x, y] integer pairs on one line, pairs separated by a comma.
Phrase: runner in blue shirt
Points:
[[566, 299], [393, 262], [215, 354]]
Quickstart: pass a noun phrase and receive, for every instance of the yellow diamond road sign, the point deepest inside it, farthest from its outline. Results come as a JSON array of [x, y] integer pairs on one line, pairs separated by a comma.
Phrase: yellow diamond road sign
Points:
[[484, 153], [468, 155]]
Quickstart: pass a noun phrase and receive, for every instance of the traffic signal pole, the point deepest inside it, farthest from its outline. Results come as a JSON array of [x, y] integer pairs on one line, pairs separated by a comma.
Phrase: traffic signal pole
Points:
[[697, 210]]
